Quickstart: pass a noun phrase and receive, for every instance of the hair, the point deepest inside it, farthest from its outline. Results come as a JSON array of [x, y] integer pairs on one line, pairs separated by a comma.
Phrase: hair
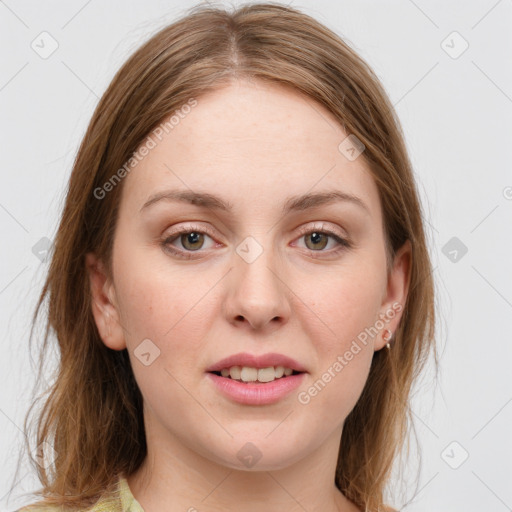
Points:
[[92, 416]]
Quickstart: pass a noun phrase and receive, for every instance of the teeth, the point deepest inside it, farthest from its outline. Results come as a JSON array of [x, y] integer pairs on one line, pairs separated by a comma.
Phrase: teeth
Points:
[[235, 372], [266, 374], [248, 374]]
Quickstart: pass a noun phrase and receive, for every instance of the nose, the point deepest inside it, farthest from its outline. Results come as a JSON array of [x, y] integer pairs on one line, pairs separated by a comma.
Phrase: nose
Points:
[[257, 294]]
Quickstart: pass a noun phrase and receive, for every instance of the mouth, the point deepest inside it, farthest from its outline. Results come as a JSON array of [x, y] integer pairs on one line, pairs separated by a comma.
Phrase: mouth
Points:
[[242, 384], [247, 374], [251, 379]]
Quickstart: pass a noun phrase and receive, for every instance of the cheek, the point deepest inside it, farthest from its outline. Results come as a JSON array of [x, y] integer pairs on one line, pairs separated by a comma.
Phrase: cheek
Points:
[[337, 307], [164, 304], [159, 306], [338, 317]]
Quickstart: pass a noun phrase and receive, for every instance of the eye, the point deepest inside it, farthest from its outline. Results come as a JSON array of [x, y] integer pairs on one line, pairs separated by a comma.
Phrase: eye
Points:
[[191, 239], [317, 239]]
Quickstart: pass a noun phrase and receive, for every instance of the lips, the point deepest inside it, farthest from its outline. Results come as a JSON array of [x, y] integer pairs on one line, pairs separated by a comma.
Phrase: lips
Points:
[[256, 394], [255, 361]]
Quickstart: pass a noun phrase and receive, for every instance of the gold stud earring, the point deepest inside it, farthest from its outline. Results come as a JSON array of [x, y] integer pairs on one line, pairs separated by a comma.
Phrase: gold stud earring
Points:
[[387, 337]]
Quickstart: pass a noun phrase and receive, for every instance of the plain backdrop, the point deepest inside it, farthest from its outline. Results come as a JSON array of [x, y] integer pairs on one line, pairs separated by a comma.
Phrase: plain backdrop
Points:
[[447, 67]]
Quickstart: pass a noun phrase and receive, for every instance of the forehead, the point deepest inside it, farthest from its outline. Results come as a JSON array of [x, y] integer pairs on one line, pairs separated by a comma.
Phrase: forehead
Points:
[[254, 144]]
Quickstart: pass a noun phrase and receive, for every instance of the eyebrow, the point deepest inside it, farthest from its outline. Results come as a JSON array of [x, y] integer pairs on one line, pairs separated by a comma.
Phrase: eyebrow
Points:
[[294, 203]]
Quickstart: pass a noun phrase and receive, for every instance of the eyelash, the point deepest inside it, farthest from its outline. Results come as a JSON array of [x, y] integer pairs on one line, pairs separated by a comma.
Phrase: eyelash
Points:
[[343, 242]]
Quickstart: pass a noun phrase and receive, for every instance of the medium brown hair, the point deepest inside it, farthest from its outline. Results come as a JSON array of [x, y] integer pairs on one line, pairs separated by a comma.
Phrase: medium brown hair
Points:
[[92, 416]]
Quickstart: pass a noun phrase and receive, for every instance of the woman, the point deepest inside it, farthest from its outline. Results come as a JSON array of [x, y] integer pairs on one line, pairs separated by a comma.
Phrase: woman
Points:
[[240, 285]]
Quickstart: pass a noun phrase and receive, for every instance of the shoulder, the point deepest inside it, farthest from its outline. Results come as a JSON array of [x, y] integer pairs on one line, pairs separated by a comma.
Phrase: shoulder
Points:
[[119, 500], [38, 507], [108, 503], [104, 504]]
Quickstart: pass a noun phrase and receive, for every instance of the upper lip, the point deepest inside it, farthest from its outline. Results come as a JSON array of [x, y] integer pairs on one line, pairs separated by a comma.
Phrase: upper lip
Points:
[[255, 361]]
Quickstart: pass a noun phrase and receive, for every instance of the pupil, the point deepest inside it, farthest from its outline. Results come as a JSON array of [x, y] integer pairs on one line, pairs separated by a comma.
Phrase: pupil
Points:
[[190, 239], [317, 240]]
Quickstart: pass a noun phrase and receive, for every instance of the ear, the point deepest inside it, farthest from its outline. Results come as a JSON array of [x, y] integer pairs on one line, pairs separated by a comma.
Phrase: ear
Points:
[[103, 304], [394, 298]]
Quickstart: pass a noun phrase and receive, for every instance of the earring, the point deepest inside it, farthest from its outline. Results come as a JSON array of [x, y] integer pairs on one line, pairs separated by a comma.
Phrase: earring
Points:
[[387, 337]]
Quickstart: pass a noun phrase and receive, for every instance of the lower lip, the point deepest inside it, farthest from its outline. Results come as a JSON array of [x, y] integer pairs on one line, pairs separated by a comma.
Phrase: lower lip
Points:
[[257, 394]]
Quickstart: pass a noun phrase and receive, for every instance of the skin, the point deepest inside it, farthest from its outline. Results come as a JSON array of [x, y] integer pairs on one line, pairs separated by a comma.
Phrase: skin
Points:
[[253, 144]]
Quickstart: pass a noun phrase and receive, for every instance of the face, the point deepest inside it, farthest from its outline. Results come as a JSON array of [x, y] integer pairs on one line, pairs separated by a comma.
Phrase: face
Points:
[[254, 271]]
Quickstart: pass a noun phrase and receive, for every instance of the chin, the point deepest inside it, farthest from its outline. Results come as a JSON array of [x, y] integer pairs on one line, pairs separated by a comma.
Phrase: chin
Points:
[[252, 453]]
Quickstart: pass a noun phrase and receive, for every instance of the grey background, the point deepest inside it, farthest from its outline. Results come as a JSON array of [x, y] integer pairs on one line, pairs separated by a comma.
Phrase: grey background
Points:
[[456, 109]]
